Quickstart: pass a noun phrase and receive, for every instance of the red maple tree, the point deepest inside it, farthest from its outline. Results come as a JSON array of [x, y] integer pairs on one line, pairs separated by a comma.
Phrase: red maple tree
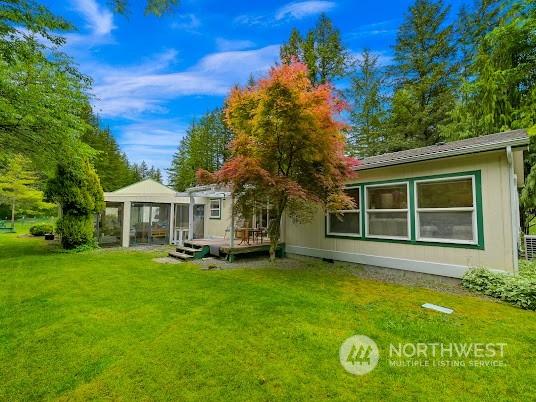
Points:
[[288, 148]]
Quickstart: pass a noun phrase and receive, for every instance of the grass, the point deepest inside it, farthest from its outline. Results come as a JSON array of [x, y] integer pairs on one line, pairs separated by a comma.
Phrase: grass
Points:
[[112, 324]]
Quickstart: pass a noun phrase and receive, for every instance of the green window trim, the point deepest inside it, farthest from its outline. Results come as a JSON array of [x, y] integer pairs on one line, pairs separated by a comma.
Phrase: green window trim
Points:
[[358, 211], [210, 208], [477, 177]]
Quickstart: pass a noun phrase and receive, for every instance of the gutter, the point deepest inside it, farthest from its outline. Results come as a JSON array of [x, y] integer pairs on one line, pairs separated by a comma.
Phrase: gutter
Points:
[[514, 203], [515, 143]]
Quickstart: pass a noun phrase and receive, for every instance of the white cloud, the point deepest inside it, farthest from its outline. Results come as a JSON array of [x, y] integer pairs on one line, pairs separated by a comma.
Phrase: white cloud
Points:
[[153, 141], [128, 91], [247, 19], [99, 19], [225, 45], [99, 22], [290, 11], [301, 9], [186, 22], [374, 29]]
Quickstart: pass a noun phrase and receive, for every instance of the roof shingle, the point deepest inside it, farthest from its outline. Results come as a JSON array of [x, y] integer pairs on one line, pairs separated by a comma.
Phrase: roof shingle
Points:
[[515, 138]]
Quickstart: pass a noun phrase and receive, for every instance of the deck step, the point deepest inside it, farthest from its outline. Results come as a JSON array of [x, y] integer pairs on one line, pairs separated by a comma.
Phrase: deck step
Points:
[[188, 250], [192, 245], [197, 251], [180, 256]]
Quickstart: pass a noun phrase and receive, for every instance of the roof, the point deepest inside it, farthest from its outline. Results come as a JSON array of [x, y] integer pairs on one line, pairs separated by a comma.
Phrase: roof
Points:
[[491, 142], [147, 186]]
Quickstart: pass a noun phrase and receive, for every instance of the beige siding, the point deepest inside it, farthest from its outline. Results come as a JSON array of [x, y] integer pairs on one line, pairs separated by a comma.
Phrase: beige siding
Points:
[[215, 228], [497, 254]]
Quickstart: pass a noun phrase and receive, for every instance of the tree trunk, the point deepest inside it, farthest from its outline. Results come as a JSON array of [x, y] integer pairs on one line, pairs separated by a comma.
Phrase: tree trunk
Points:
[[13, 214], [274, 232]]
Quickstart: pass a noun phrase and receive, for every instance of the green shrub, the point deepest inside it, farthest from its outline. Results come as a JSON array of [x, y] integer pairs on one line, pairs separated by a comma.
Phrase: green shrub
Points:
[[527, 269], [75, 231], [76, 188], [41, 229], [519, 290]]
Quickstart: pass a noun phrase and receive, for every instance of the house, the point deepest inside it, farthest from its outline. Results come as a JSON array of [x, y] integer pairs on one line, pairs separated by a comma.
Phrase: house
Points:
[[440, 209]]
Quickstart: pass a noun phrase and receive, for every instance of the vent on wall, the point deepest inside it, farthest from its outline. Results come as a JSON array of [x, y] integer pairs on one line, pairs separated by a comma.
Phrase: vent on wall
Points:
[[530, 247]]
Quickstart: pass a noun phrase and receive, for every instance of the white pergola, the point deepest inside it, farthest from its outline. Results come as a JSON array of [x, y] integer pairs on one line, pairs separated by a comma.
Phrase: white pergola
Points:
[[208, 191]]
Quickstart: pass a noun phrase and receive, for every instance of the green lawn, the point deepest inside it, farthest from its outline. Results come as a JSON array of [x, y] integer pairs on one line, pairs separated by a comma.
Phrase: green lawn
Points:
[[116, 325]]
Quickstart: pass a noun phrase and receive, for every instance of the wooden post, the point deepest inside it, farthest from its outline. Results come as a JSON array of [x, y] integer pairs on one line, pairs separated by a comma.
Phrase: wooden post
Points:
[[191, 218]]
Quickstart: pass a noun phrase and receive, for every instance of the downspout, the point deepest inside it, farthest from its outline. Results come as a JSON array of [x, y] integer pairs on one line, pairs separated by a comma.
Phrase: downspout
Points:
[[232, 234], [514, 203]]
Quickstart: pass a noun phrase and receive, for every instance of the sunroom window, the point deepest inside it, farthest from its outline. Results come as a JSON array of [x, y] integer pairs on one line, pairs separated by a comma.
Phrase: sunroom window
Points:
[[445, 210], [215, 209], [346, 222], [387, 211]]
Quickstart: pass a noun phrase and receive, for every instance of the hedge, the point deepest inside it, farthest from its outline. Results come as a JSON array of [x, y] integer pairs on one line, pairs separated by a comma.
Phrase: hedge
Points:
[[41, 229]]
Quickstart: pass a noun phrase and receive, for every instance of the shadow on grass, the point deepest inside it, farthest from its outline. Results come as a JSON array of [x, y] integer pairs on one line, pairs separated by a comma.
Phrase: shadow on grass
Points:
[[14, 245]]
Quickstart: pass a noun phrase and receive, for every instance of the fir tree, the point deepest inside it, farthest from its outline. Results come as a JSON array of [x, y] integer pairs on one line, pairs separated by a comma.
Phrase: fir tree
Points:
[[321, 51], [368, 114], [205, 146], [424, 76]]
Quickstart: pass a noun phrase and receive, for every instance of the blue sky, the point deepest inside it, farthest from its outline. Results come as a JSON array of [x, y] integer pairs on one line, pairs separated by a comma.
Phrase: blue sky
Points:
[[153, 76]]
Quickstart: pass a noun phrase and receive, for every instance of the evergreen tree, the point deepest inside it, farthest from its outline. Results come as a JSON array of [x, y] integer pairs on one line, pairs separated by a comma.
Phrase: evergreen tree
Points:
[[109, 162], [77, 190], [321, 51], [154, 174], [424, 76], [292, 50], [368, 114], [473, 24], [501, 93], [205, 146]]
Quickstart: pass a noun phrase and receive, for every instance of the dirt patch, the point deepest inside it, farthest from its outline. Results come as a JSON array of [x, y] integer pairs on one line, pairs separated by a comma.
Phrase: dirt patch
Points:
[[396, 276], [213, 263], [167, 260]]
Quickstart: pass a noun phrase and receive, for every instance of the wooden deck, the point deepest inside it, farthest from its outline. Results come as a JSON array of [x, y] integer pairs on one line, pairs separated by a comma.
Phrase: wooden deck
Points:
[[224, 249]]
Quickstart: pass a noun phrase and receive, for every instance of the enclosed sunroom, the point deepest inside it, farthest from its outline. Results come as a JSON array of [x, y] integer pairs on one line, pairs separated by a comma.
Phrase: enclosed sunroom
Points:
[[149, 213]]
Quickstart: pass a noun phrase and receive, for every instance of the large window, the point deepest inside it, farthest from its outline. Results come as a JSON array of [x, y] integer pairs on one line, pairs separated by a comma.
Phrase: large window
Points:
[[445, 210], [149, 223], [346, 222], [431, 210], [110, 225], [215, 209], [387, 211]]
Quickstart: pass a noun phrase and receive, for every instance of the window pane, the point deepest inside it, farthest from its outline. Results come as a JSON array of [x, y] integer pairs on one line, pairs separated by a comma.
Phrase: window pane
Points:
[[214, 204], [446, 225], [445, 194], [110, 225], [347, 223], [182, 216], [354, 194], [388, 224], [388, 197]]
